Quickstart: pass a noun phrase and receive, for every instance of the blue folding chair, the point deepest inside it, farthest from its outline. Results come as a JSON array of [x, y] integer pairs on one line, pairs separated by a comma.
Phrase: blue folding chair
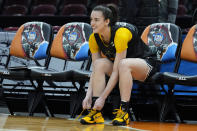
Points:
[[180, 81], [29, 47]]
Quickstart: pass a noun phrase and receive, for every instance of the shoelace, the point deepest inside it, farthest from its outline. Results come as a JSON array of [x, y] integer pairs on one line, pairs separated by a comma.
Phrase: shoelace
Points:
[[92, 112], [119, 113], [79, 115]]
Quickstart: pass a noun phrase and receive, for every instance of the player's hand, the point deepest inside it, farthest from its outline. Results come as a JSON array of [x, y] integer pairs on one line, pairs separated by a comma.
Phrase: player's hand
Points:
[[99, 103], [87, 102]]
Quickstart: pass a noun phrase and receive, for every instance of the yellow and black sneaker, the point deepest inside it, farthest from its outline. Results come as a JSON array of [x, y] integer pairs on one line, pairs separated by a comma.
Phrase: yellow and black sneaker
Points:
[[94, 117], [121, 119]]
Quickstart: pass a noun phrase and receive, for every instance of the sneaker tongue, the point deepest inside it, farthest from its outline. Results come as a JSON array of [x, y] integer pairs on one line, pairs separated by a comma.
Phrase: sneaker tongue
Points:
[[94, 111], [124, 106]]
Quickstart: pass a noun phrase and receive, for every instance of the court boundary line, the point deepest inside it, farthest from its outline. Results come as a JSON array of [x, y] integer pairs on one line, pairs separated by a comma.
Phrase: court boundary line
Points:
[[108, 122]]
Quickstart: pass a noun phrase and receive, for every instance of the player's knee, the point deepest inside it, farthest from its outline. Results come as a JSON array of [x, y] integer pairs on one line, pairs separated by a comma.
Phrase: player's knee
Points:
[[123, 66], [99, 65]]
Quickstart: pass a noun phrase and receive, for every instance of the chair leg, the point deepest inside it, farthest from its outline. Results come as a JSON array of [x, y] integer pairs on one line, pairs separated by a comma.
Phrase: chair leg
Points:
[[35, 98], [38, 97], [9, 107], [74, 110], [164, 108], [76, 101], [4, 99], [169, 105], [47, 109], [174, 110]]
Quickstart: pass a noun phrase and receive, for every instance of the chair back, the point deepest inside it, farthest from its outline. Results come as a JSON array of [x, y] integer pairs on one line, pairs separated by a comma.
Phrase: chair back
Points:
[[32, 41], [163, 39], [15, 10], [101, 2], [189, 46], [45, 10], [131, 27], [182, 10], [44, 2], [66, 2], [70, 39], [74, 9], [17, 2]]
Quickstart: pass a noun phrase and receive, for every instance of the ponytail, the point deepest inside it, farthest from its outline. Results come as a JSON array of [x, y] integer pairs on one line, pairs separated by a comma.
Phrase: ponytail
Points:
[[114, 10], [109, 11]]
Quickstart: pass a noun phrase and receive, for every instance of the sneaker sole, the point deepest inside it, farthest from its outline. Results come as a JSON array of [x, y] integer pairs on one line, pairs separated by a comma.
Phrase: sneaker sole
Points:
[[86, 123], [116, 123]]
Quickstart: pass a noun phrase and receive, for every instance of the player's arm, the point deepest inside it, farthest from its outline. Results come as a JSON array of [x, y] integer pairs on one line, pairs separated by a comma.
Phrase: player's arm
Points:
[[94, 57], [121, 40]]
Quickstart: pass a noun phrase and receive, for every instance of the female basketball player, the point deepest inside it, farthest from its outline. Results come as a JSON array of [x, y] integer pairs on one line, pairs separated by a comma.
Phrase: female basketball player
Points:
[[116, 53]]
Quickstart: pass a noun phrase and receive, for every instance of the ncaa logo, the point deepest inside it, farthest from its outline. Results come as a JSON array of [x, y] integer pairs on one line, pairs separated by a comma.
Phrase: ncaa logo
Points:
[[31, 36], [72, 37], [158, 38]]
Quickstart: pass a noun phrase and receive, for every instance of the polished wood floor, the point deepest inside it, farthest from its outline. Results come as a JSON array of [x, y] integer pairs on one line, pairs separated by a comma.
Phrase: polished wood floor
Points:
[[25, 123]]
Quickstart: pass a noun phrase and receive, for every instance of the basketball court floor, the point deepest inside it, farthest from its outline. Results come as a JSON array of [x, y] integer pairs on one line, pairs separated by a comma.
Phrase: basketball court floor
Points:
[[38, 123]]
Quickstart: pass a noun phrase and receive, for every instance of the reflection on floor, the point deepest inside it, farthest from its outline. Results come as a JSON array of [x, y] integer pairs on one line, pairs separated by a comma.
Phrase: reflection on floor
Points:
[[26, 123]]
